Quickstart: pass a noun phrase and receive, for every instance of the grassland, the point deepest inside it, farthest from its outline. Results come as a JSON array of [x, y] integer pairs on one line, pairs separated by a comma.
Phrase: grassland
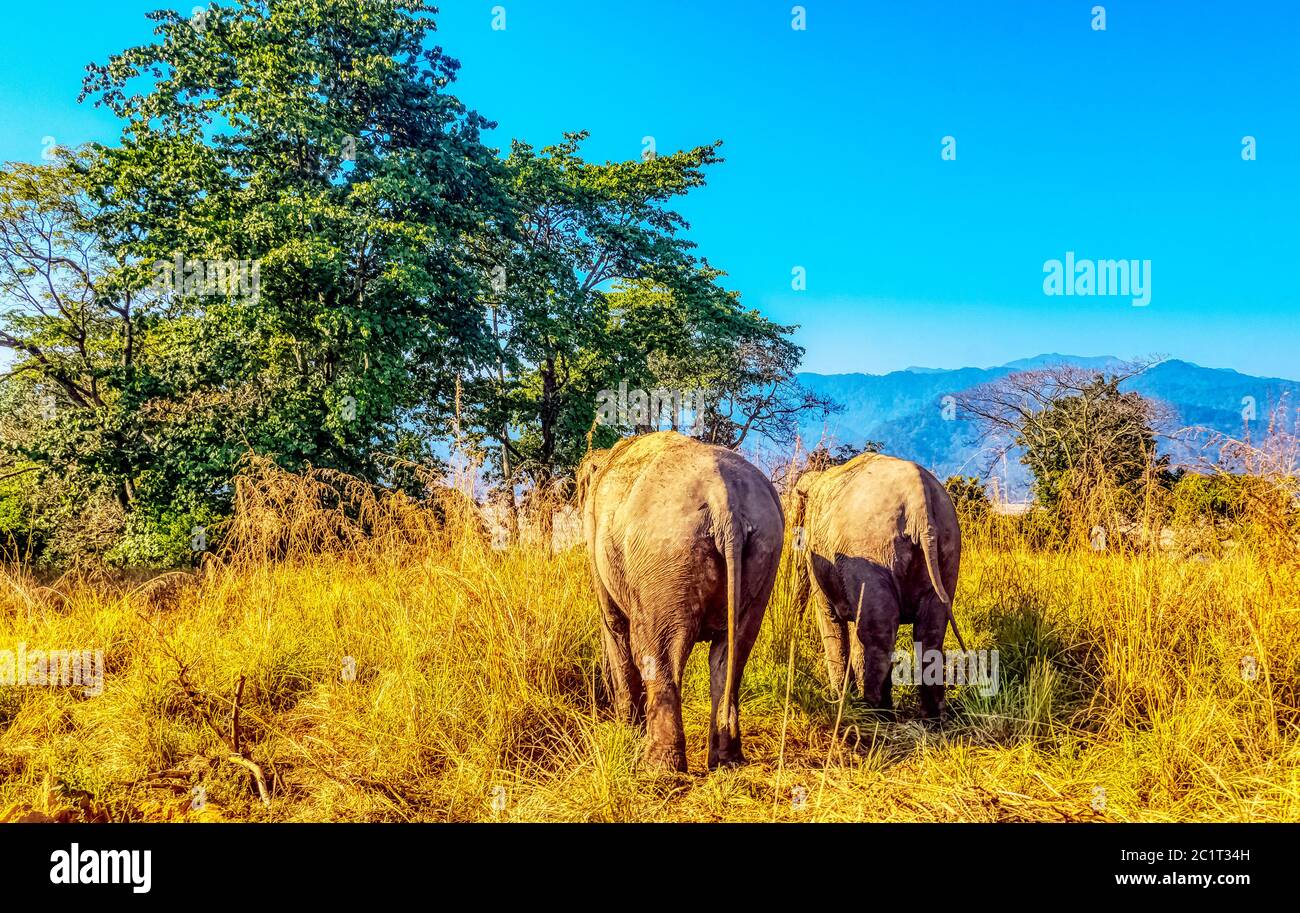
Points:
[[1134, 688]]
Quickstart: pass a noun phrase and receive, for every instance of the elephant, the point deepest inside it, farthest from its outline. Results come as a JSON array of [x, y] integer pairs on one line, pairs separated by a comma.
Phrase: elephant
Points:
[[880, 538], [684, 540]]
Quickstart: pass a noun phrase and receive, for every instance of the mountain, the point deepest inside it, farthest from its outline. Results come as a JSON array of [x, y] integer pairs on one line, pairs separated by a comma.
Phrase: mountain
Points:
[[904, 409]]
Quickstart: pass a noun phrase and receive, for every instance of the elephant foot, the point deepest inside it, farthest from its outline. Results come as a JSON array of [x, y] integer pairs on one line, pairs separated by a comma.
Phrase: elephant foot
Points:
[[884, 713], [879, 701], [666, 759], [937, 719], [933, 709], [728, 759]]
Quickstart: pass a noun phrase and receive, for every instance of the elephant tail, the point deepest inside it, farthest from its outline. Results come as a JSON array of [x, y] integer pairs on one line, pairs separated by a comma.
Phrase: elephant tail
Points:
[[732, 547], [930, 548]]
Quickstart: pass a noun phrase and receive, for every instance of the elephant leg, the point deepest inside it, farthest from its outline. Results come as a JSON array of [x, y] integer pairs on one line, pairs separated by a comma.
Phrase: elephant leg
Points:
[[929, 629], [877, 631], [620, 671], [723, 749], [835, 640], [661, 671], [629, 692]]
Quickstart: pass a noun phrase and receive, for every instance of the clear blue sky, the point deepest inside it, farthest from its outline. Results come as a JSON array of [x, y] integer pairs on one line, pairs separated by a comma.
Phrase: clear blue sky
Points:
[[1117, 144]]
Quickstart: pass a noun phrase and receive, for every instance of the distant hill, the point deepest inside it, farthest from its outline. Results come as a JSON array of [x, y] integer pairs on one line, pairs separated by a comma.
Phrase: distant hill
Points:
[[904, 409]]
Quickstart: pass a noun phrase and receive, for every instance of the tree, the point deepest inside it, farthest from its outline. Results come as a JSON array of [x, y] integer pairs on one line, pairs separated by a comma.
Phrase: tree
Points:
[[1090, 445], [313, 143], [598, 290], [698, 338], [76, 322], [579, 228]]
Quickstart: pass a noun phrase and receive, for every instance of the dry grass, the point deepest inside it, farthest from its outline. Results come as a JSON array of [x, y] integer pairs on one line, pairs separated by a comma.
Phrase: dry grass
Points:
[[475, 695]]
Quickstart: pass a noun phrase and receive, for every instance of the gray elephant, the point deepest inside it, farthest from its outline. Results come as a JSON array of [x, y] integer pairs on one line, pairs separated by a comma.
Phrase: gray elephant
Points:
[[684, 539], [880, 533]]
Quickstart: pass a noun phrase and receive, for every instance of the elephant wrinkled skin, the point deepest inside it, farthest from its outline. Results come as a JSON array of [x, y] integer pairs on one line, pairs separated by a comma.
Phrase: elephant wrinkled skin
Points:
[[881, 534], [684, 540]]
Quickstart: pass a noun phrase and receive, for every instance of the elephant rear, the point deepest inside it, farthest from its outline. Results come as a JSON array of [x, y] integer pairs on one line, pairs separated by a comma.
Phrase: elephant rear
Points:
[[884, 549], [685, 539]]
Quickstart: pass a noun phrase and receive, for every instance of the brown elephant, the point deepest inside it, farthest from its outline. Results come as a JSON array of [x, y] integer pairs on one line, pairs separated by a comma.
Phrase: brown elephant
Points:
[[881, 534], [684, 540]]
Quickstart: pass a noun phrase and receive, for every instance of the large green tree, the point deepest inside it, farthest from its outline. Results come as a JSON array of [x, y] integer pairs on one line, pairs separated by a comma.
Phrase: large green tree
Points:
[[315, 141], [579, 228], [598, 287]]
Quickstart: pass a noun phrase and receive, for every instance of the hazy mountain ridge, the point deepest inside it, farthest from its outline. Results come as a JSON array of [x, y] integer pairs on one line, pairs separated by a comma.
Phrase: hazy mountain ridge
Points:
[[904, 409]]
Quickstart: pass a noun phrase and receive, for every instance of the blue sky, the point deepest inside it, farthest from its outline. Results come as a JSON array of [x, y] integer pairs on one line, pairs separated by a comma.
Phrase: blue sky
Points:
[[1117, 144]]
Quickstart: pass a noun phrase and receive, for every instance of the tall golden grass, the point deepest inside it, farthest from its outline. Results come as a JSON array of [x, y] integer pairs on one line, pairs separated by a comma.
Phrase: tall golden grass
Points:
[[388, 663]]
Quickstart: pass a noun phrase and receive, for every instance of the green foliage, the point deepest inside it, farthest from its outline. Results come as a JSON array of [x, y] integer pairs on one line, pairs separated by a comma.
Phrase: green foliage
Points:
[[968, 495], [314, 138], [1195, 497], [578, 227], [19, 533], [170, 537], [1095, 444]]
